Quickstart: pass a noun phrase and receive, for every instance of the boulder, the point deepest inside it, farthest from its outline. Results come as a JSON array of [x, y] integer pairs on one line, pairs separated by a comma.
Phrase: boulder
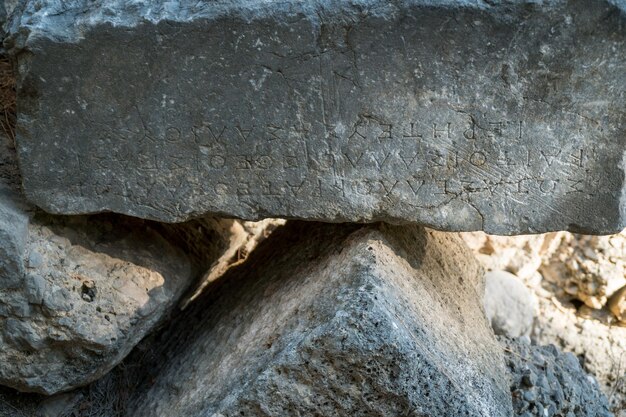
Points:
[[334, 320], [509, 305], [78, 293], [498, 116]]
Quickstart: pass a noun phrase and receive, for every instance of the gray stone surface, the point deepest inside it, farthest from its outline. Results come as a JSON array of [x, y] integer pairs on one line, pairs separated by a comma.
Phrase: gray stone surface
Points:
[[503, 116], [335, 320], [78, 293], [509, 305], [548, 382]]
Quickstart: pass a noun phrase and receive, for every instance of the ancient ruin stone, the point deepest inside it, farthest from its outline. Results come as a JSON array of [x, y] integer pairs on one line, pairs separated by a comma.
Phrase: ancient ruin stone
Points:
[[78, 293], [500, 116], [335, 320]]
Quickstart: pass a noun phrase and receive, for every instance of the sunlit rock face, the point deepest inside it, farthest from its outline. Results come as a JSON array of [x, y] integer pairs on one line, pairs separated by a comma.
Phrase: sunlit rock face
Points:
[[77, 294], [495, 116]]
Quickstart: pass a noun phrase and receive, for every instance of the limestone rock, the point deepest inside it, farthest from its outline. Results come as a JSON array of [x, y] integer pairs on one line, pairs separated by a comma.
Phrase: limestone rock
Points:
[[520, 255], [594, 338], [499, 116], [547, 382], [509, 305], [587, 268], [617, 304], [77, 294], [572, 266], [335, 320]]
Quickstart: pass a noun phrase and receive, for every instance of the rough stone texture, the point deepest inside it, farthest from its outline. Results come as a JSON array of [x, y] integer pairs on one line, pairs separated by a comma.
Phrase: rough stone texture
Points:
[[76, 294], [502, 116], [572, 266], [509, 305], [600, 346], [547, 382], [617, 304], [587, 268], [519, 255], [336, 320], [591, 334]]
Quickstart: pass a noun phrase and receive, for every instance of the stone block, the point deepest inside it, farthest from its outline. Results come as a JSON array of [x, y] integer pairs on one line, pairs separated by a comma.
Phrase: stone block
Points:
[[335, 320], [498, 116]]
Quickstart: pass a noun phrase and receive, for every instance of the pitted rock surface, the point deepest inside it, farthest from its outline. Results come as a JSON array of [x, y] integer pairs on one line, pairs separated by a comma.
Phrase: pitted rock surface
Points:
[[335, 320], [460, 115], [548, 382], [78, 293]]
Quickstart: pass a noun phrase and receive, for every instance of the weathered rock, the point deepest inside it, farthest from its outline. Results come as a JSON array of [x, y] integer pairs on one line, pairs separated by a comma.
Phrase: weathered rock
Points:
[[76, 294], [500, 116], [335, 320], [572, 266], [617, 304], [587, 268], [547, 382], [509, 305], [592, 335]]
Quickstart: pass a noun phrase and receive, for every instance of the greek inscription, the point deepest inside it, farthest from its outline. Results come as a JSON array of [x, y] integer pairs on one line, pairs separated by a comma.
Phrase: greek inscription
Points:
[[415, 185], [478, 159], [242, 162], [216, 133], [505, 160], [364, 187], [550, 155], [575, 186], [274, 132], [290, 162], [354, 161], [436, 159], [217, 161], [388, 186], [547, 186], [408, 160], [444, 188], [244, 134], [441, 132], [338, 186], [221, 188], [295, 188], [269, 188], [577, 158], [173, 135], [386, 131], [263, 162], [380, 160], [470, 133], [412, 132], [243, 188]]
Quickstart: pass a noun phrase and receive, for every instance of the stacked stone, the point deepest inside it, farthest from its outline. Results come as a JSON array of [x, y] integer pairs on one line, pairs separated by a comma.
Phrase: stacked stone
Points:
[[449, 114]]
